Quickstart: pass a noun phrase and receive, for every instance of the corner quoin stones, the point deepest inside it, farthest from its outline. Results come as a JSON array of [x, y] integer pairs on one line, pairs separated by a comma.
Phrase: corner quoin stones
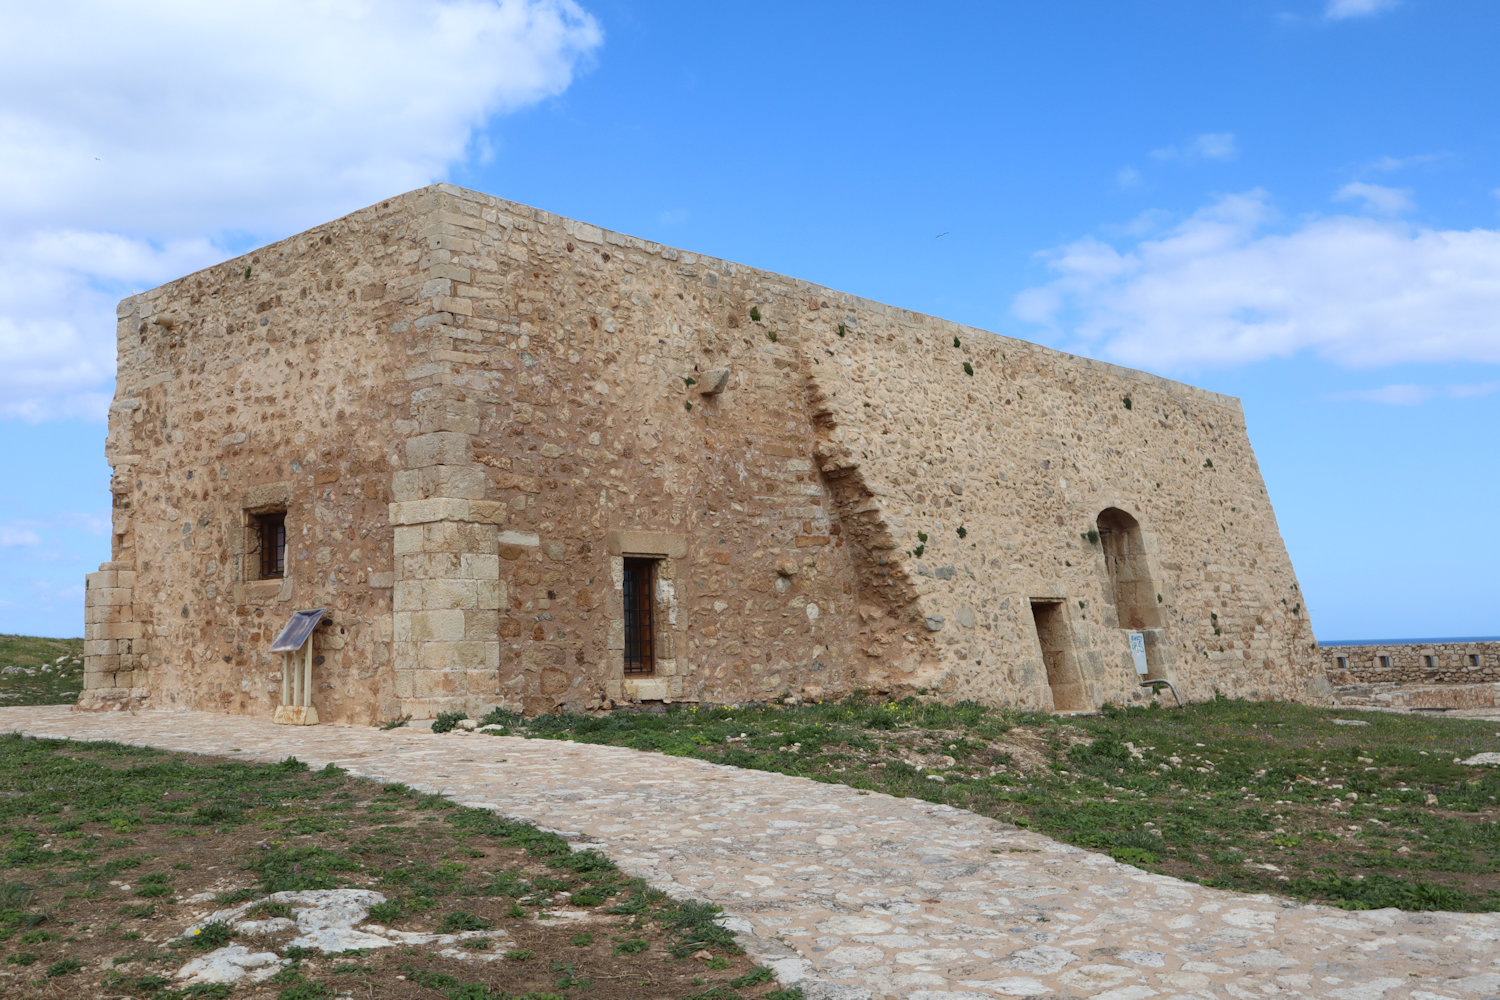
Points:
[[471, 413]]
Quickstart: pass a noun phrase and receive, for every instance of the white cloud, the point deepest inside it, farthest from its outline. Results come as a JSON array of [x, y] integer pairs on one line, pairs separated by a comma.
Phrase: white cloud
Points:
[[1385, 200], [1390, 164], [1227, 286], [1391, 395], [1338, 10], [1411, 395], [1128, 177], [145, 140], [15, 537], [1208, 146]]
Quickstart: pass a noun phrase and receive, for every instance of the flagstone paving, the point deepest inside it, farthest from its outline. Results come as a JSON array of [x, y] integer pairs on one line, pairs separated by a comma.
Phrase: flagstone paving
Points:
[[858, 895]]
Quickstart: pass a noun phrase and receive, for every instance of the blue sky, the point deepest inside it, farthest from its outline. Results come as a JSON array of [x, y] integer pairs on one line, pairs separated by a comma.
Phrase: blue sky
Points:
[[1297, 203]]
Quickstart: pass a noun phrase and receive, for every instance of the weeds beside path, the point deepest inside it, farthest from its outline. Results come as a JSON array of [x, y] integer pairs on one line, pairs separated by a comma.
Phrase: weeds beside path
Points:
[[1358, 809]]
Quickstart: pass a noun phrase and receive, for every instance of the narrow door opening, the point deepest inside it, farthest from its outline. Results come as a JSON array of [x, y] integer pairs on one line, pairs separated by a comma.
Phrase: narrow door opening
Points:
[[1069, 692], [640, 626]]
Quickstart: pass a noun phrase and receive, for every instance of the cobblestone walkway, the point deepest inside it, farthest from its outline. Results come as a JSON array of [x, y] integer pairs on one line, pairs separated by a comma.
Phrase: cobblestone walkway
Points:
[[855, 895]]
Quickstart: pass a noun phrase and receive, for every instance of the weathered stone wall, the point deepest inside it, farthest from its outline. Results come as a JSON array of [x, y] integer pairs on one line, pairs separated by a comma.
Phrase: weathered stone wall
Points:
[[269, 381], [574, 432], [1413, 663], [478, 410], [1005, 472]]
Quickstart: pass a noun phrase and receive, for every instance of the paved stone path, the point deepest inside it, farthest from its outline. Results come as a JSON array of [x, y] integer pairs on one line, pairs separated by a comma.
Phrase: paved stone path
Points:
[[856, 895]]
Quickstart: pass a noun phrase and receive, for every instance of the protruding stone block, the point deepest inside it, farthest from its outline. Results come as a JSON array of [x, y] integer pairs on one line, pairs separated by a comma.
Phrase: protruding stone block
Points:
[[713, 381]]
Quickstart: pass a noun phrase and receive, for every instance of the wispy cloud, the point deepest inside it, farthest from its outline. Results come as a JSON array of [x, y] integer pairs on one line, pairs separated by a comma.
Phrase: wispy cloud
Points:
[[1339, 10], [123, 171], [1376, 198], [1231, 285], [15, 537], [1412, 395], [1391, 164], [1128, 177], [1208, 146]]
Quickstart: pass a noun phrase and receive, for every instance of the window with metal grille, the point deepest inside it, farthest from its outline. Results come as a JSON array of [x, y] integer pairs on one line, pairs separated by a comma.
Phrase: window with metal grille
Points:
[[270, 531], [640, 607]]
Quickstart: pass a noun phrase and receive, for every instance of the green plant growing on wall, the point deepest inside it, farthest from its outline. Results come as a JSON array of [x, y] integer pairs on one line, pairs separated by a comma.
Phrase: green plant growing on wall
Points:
[[772, 335], [689, 380], [963, 532], [841, 329], [755, 313], [968, 368], [1208, 463], [1128, 404], [917, 552], [247, 274], [922, 536], [1091, 536], [955, 342], [688, 404]]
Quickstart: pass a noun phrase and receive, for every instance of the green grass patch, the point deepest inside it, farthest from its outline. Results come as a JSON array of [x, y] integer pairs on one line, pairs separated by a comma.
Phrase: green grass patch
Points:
[[102, 844], [1253, 796], [38, 671]]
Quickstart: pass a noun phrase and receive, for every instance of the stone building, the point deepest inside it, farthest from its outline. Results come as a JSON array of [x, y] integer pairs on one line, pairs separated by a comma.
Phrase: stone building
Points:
[[524, 461]]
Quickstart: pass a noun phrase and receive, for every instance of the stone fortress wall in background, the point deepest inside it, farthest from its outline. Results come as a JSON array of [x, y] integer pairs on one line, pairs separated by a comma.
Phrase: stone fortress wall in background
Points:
[[1414, 663], [471, 413]]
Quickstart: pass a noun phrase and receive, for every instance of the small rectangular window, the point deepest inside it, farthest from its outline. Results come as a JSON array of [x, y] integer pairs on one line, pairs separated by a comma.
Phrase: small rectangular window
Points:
[[1473, 659], [270, 537], [640, 624], [1429, 662], [1384, 661], [1343, 662]]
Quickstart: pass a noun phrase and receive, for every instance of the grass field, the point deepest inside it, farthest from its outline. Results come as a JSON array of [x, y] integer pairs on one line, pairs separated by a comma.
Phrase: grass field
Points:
[[36, 671], [111, 857], [1357, 809]]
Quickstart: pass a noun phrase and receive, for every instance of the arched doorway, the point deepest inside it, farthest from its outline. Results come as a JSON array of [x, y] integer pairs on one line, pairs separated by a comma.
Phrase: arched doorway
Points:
[[1130, 585]]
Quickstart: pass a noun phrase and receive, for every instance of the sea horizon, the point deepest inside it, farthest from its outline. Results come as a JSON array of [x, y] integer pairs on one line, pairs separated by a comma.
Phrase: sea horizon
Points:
[[1408, 642]]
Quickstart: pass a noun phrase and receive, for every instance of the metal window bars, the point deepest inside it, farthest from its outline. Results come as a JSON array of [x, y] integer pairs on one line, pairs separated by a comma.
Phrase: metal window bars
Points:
[[640, 647], [272, 531]]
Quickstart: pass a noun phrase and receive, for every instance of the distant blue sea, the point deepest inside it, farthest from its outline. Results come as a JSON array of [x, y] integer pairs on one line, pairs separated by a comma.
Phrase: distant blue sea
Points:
[[1407, 642]]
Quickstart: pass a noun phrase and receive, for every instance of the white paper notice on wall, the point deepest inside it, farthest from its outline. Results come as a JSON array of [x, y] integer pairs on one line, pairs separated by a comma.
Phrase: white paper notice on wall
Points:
[[1138, 652]]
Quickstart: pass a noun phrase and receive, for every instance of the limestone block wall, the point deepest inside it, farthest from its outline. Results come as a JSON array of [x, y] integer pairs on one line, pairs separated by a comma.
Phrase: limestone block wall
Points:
[[559, 426], [473, 412], [832, 477], [1413, 663], [993, 460], [112, 636], [268, 382]]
